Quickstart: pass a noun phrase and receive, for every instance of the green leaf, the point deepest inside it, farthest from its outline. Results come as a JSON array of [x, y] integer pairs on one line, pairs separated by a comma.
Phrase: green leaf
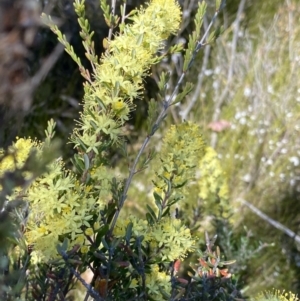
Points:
[[152, 114], [116, 89], [169, 183], [201, 10], [115, 243], [94, 125], [128, 232], [189, 52], [105, 244], [140, 39], [158, 203], [180, 185], [149, 218], [151, 212], [166, 295], [166, 212], [86, 161], [100, 256], [111, 212], [84, 221], [163, 80], [105, 7], [227, 262], [81, 144], [200, 17], [75, 261], [176, 48], [186, 90], [78, 161], [215, 34], [157, 197], [101, 232], [173, 201], [62, 247], [101, 104]]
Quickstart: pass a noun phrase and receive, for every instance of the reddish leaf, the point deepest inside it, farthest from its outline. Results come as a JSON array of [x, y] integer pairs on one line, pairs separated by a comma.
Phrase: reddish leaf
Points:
[[176, 266], [203, 263], [183, 281]]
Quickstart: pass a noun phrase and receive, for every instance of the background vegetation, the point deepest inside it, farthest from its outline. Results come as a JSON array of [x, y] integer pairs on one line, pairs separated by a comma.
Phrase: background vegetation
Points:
[[246, 100]]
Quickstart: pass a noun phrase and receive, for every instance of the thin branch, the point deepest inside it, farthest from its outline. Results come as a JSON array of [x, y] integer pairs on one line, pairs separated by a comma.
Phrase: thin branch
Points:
[[113, 9], [89, 288], [124, 14], [47, 65], [272, 222], [291, 26]]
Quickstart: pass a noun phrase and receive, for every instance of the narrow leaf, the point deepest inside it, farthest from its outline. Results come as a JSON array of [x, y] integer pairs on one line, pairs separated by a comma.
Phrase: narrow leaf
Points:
[[149, 218], [152, 114], [86, 162], [128, 232], [158, 203], [187, 89], [106, 246], [103, 230], [151, 212], [101, 104], [227, 262], [140, 39], [65, 244]]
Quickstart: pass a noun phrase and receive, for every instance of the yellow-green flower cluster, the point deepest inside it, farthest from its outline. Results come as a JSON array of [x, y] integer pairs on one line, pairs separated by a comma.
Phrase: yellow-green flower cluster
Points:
[[102, 178], [171, 240], [157, 281], [119, 76], [17, 154], [53, 203], [277, 295], [181, 151], [60, 207], [168, 239], [140, 227], [213, 189], [59, 204]]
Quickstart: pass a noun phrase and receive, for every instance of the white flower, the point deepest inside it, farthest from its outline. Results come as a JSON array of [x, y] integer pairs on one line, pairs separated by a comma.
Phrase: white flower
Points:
[[247, 92], [247, 178], [294, 160]]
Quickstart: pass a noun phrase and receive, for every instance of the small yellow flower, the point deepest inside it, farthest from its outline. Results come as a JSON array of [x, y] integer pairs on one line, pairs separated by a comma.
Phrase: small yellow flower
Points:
[[119, 105], [66, 210], [134, 283], [173, 237], [18, 154], [79, 239], [84, 249], [89, 231], [276, 295], [158, 190], [43, 230], [157, 281], [96, 226]]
